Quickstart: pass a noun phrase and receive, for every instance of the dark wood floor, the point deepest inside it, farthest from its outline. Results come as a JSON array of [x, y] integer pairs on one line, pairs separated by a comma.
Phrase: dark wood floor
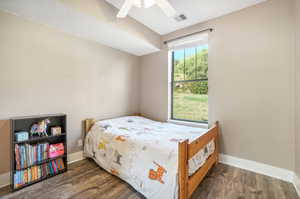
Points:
[[86, 180]]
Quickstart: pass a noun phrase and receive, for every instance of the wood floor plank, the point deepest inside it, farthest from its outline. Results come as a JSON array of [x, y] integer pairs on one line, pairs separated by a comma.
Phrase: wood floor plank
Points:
[[86, 180]]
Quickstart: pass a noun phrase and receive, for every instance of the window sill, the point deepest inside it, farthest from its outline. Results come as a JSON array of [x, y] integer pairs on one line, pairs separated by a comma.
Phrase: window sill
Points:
[[191, 124]]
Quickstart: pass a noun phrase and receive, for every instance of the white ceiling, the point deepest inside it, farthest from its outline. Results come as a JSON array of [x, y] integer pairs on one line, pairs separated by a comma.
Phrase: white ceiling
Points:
[[56, 14], [196, 11]]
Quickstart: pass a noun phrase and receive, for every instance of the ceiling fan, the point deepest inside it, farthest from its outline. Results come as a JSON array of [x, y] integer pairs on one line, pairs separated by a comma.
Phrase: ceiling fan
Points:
[[163, 4]]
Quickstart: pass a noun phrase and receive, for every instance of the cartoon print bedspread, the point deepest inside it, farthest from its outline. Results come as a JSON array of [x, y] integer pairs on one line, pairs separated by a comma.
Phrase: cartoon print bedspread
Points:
[[144, 153]]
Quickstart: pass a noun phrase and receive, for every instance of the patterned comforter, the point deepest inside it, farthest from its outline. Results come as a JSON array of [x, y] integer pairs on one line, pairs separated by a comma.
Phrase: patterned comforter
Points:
[[144, 153]]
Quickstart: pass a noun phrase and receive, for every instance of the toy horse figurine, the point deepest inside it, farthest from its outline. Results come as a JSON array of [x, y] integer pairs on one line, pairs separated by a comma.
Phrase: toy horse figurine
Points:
[[40, 128]]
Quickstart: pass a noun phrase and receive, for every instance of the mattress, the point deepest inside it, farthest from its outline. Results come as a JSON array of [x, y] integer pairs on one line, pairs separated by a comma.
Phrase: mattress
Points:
[[144, 153]]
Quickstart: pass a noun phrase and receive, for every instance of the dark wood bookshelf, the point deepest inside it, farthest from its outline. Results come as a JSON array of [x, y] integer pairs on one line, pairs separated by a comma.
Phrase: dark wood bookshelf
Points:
[[25, 124]]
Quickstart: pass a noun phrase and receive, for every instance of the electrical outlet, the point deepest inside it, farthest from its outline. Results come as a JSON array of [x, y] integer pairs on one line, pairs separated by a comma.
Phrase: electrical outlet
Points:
[[79, 142]]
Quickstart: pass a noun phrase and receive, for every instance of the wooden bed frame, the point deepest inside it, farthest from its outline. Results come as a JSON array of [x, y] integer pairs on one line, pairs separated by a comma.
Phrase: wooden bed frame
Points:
[[188, 184]]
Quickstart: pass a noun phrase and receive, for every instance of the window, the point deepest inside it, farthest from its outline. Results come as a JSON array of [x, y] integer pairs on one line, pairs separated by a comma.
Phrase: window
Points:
[[189, 85]]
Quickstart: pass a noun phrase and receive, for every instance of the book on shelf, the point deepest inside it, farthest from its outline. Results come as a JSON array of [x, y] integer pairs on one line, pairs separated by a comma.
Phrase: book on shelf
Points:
[[27, 155], [35, 173]]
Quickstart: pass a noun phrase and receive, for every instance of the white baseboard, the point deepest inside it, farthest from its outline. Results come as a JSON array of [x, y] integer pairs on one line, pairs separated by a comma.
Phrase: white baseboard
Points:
[[296, 182], [275, 172], [72, 157], [4, 179]]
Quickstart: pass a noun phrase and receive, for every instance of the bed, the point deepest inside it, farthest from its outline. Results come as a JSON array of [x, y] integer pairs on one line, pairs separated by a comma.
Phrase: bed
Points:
[[160, 160]]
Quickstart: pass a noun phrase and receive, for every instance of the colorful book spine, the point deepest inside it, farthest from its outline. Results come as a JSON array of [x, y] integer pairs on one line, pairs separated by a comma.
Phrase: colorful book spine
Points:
[[27, 155], [18, 166], [34, 173]]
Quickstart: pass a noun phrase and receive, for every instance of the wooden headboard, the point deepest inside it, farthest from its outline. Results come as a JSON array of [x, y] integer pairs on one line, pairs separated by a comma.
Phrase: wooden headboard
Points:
[[88, 123]]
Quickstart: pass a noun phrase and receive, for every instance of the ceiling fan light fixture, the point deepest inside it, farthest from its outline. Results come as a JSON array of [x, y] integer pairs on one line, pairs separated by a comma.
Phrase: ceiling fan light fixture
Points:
[[148, 3], [137, 3], [144, 3], [163, 4]]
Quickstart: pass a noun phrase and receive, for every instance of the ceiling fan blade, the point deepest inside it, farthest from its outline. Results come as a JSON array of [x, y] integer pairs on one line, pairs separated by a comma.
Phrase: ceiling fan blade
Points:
[[166, 7], [125, 8]]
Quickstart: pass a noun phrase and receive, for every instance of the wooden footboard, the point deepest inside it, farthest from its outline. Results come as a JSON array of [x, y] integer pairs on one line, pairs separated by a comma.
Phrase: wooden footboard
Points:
[[187, 185]]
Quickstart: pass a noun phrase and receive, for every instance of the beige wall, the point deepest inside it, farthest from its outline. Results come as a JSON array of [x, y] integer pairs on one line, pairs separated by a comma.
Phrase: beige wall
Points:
[[45, 71], [297, 7], [154, 85], [251, 82]]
